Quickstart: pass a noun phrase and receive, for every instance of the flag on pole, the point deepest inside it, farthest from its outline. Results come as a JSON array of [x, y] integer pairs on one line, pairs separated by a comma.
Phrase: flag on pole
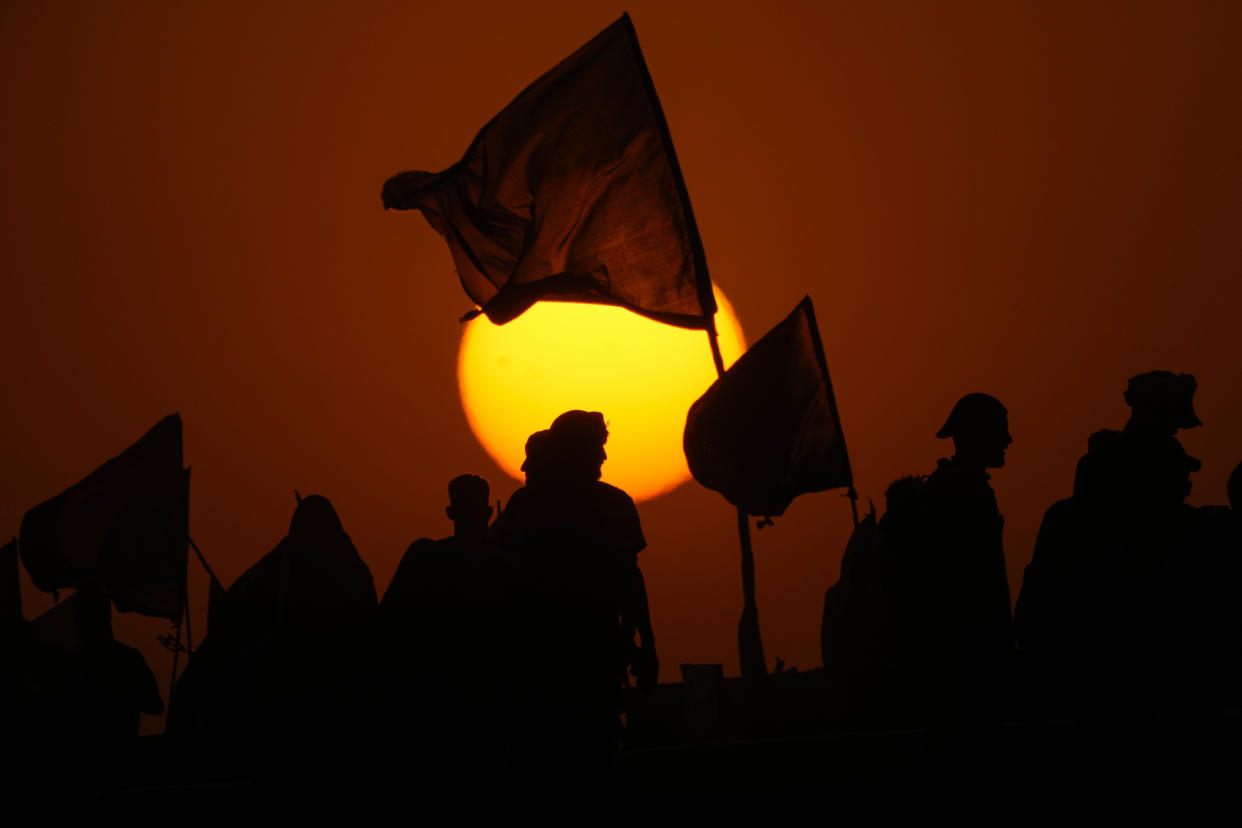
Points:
[[81, 621], [767, 430], [124, 527], [572, 193]]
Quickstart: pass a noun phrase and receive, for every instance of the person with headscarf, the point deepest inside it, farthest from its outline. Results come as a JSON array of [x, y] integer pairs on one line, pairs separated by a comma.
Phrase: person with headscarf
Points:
[[572, 544], [286, 666]]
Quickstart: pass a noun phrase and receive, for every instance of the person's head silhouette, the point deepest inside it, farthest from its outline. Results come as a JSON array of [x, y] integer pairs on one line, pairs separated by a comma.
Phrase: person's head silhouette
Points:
[[539, 464], [579, 438], [468, 507], [315, 521], [1161, 402], [979, 426]]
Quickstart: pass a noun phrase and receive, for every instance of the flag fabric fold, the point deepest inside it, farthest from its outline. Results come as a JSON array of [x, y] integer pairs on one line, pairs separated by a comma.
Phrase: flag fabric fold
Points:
[[124, 527], [572, 193], [767, 430]]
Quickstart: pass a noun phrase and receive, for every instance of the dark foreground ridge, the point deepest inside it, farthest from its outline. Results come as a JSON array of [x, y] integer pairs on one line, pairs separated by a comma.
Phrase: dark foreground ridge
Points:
[[511, 669]]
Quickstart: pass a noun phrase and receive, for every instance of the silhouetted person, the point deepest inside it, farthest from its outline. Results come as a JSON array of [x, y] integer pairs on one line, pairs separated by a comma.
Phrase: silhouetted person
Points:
[[869, 636], [966, 641], [924, 630], [434, 579], [1096, 598], [1200, 637], [1115, 471], [286, 670], [973, 620], [92, 688], [440, 616], [571, 543]]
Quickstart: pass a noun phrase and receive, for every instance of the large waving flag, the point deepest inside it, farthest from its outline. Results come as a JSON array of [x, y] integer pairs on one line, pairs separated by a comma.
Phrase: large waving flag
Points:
[[767, 430], [572, 193], [124, 527]]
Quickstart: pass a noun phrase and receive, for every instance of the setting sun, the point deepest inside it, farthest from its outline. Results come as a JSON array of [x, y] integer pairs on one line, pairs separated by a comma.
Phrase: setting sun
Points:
[[642, 375]]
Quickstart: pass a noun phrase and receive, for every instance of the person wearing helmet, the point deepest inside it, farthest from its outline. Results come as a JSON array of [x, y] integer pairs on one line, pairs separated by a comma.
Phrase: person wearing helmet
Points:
[[966, 528], [967, 638]]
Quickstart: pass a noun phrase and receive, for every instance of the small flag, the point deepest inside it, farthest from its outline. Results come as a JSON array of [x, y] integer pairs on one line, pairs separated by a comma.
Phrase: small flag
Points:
[[572, 193], [124, 527], [768, 431]]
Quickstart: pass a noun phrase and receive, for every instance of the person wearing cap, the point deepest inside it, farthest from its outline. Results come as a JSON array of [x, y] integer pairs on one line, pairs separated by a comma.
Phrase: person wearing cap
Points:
[[1094, 606], [1161, 404], [967, 634]]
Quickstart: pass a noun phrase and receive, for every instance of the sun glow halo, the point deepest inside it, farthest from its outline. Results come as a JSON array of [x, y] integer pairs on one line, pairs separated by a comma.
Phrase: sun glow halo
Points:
[[643, 375]]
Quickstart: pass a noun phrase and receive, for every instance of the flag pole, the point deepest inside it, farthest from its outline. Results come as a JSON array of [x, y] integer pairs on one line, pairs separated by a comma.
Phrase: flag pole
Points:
[[749, 643], [203, 560], [818, 345], [749, 640]]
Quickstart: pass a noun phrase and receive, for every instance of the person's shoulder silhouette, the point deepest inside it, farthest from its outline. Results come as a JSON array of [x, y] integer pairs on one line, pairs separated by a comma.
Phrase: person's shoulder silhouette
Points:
[[1119, 464], [433, 572], [572, 542], [979, 428], [964, 536], [623, 530]]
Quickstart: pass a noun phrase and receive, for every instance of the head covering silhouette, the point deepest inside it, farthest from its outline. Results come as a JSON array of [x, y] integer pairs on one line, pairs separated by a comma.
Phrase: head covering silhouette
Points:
[[979, 426], [1162, 401], [973, 413], [578, 439], [315, 520]]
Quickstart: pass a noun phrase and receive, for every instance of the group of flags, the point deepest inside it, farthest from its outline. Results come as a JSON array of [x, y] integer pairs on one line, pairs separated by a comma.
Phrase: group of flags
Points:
[[573, 193]]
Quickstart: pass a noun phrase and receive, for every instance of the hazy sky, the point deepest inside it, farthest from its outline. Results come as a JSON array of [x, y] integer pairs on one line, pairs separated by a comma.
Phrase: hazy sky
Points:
[[1036, 200]]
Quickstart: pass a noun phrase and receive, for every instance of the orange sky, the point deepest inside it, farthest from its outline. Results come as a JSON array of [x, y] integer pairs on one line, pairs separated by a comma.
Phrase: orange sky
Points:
[[1036, 200]]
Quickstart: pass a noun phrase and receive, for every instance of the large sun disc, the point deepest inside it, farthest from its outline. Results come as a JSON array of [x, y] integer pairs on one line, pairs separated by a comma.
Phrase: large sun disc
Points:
[[643, 375]]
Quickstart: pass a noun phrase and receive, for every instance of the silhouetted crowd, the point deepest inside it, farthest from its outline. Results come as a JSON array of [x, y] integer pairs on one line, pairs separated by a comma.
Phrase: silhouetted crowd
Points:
[[501, 652], [510, 635], [1128, 610]]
